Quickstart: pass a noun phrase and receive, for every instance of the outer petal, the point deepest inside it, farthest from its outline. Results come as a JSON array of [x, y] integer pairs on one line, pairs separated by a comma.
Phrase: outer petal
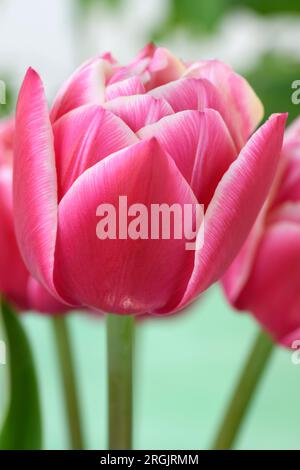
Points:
[[35, 191], [201, 146], [85, 86], [40, 300], [272, 290], [235, 205], [140, 110], [122, 275], [239, 96], [85, 136], [197, 94]]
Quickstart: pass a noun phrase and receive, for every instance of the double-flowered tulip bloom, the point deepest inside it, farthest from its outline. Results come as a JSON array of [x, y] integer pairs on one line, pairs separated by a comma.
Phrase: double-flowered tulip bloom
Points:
[[15, 281], [156, 131], [265, 276]]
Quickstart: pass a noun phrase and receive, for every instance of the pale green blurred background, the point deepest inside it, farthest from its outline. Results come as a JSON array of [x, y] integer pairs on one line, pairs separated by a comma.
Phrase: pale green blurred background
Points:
[[185, 369], [186, 365]]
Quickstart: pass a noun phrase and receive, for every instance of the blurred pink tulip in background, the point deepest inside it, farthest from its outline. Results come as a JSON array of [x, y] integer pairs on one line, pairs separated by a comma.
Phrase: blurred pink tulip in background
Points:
[[264, 278]]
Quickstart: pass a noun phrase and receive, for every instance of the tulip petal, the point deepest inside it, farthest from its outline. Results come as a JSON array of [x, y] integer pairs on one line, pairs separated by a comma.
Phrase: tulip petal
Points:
[[7, 129], [146, 52], [240, 97], [13, 273], [272, 290], [292, 133], [201, 146], [235, 205], [197, 94], [140, 110], [163, 67], [41, 301], [288, 212], [85, 86], [133, 70], [85, 136], [289, 184], [109, 57], [238, 272], [122, 275], [188, 94], [130, 86], [154, 66], [35, 187]]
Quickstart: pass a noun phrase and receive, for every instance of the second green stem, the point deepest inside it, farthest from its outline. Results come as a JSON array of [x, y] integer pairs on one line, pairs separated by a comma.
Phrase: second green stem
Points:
[[63, 344], [244, 391]]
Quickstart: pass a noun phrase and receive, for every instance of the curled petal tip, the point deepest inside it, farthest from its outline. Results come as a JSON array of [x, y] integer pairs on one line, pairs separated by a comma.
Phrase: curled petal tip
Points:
[[151, 143], [31, 73], [279, 120], [32, 82], [280, 117]]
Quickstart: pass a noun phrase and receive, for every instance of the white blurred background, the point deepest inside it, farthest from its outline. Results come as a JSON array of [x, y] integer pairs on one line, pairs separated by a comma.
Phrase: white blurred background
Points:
[[54, 36]]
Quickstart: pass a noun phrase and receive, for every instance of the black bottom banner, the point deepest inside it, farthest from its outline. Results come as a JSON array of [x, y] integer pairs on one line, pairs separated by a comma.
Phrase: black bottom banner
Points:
[[134, 459]]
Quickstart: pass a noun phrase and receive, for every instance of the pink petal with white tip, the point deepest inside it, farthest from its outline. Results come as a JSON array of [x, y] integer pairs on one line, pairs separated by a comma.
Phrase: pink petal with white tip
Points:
[[35, 186], [85, 86], [122, 275], [85, 136], [201, 146], [139, 110], [235, 205]]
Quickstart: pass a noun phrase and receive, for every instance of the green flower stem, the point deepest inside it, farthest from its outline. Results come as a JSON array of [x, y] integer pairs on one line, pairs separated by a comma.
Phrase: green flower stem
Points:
[[244, 391], [65, 358], [120, 339]]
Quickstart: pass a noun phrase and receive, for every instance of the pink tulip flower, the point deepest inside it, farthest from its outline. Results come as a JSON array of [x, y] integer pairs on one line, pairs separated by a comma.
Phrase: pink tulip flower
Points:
[[16, 283], [157, 131], [264, 278]]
